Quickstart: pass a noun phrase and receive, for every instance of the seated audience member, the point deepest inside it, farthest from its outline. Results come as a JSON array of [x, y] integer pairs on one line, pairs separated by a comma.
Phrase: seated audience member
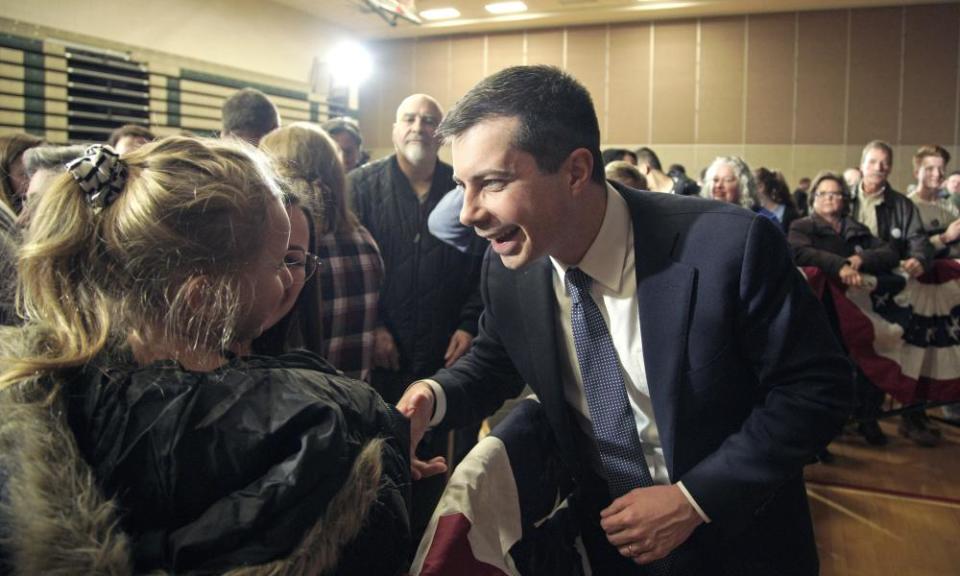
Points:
[[843, 248], [297, 320], [940, 217], [773, 199], [129, 137], [729, 179], [352, 272], [614, 154], [13, 174], [677, 170], [346, 133], [625, 173], [889, 215], [893, 218], [133, 441], [832, 241], [249, 115], [851, 176], [649, 164], [951, 185], [801, 198]]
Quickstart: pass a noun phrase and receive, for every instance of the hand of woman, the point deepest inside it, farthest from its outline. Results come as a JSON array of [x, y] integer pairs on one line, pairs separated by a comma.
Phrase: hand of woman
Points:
[[855, 261], [850, 277]]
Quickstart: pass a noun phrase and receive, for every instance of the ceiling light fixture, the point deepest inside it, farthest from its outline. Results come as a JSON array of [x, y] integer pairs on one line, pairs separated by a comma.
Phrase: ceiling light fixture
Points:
[[506, 7], [440, 14]]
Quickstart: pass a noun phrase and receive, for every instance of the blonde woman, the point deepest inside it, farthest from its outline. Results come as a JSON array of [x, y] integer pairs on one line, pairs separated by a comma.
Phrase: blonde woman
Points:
[[351, 271], [132, 440]]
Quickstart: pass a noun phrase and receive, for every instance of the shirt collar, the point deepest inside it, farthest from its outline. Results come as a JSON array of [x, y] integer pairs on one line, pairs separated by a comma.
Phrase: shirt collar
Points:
[[877, 198], [604, 260]]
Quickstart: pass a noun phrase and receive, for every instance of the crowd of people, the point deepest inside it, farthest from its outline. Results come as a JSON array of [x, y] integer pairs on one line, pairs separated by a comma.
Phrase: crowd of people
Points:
[[223, 353]]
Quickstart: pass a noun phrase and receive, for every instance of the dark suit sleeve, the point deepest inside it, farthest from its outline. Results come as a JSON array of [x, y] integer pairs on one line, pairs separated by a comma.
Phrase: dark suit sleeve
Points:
[[803, 393], [483, 378]]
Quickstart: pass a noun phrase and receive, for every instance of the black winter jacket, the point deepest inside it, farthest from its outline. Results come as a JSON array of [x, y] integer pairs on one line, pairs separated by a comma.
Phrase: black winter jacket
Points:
[[430, 288], [275, 463], [816, 243], [898, 222]]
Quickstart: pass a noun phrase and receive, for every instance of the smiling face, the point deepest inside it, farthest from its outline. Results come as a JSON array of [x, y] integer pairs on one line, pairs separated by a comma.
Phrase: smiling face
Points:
[[507, 199], [726, 185], [414, 132], [930, 172], [294, 259], [267, 278]]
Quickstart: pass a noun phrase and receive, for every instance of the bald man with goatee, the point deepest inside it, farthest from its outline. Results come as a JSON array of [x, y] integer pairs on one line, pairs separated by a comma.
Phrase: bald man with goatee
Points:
[[430, 301]]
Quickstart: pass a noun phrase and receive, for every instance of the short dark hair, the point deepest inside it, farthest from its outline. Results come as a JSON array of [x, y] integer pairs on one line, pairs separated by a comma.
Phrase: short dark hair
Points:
[[876, 145], [134, 130], [844, 190], [614, 154], [649, 157], [774, 184], [249, 113], [340, 124], [555, 114]]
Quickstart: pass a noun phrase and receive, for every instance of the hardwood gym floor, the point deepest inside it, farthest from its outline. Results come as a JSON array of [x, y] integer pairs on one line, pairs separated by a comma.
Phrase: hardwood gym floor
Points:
[[889, 510]]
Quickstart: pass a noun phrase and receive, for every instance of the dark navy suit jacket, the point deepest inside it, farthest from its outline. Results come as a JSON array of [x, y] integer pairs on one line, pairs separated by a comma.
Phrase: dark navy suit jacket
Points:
[[747, 380]]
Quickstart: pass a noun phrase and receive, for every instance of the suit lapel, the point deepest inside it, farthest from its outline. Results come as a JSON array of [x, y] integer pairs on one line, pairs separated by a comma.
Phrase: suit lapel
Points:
[[664, 292], [538, 309]]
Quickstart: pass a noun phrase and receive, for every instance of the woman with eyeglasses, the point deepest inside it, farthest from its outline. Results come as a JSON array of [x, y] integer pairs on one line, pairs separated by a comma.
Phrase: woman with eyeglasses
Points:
[[843, 248], [351, 274], [296, 323], [832, 241]]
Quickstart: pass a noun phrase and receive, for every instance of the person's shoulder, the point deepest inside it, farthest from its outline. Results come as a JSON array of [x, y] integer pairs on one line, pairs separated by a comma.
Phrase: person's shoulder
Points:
[[658, 207], [364, 177]]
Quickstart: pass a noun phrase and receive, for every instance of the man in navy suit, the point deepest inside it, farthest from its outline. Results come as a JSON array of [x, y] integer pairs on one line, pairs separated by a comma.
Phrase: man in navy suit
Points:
[[733, 377]]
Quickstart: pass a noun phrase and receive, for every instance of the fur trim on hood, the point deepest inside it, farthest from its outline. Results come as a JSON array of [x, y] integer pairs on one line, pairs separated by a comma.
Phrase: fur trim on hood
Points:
[[55, 521]]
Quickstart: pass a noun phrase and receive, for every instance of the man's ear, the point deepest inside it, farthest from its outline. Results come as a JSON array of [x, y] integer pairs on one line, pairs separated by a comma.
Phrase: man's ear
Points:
[[580, 164]]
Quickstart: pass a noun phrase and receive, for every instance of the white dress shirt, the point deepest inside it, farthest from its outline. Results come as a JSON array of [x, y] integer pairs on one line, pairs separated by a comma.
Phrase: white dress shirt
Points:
[[610, 263]]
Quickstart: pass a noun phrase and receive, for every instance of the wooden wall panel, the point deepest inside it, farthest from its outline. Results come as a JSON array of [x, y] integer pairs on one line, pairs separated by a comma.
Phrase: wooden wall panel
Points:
[[721, 81], [466, 66], [874, 75], [821, 77], [395, 61], [432, 69], [930, 74], [674, 77], [586, 61], [503, 51], [628, 94], [545, 47], [770, 77]]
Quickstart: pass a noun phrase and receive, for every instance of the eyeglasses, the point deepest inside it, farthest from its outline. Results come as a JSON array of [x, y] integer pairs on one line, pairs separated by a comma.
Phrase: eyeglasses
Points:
[[828, 195], [301, 259]]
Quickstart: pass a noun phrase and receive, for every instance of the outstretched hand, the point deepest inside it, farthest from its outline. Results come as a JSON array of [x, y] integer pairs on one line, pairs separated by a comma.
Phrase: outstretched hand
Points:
[[417, 404]]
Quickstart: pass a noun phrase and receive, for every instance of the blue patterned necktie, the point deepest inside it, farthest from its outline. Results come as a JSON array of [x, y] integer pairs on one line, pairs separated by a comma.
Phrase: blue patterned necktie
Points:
[[614, 426]]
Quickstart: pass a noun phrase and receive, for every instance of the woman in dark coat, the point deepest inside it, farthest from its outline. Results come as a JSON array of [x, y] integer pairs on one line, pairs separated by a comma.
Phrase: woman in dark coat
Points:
[[843, 248], [832, 241]]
